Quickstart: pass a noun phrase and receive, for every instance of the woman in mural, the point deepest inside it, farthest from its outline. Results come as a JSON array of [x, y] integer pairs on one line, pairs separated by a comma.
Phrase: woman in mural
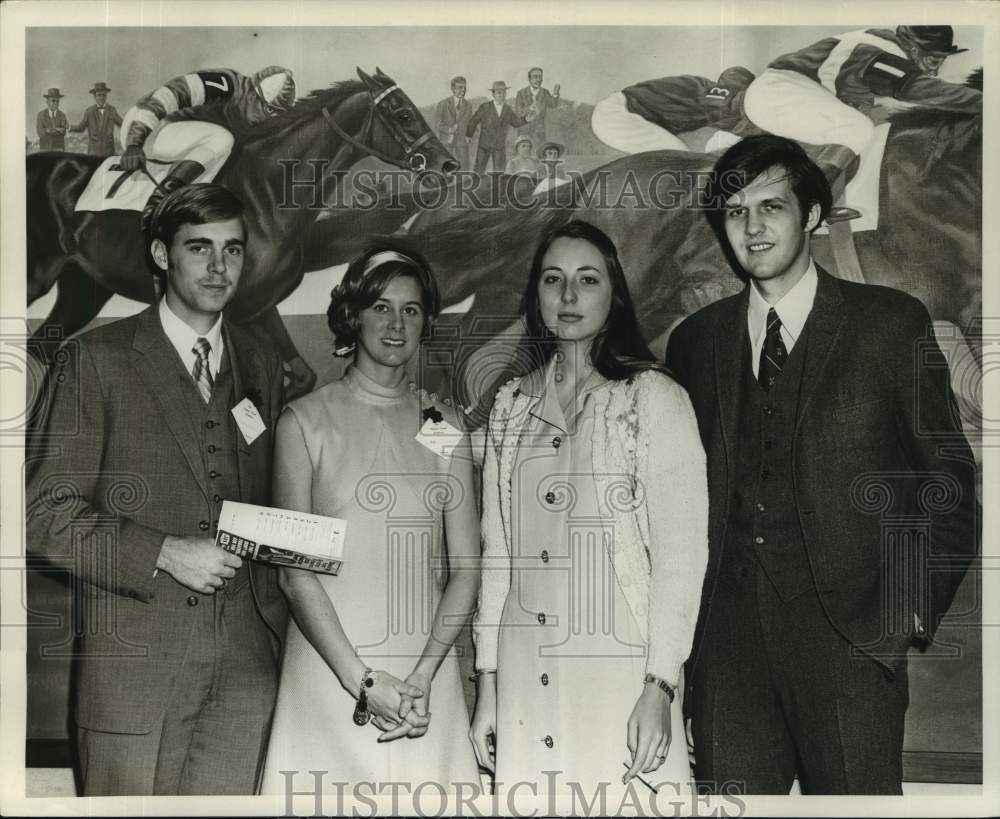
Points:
[[594, 541], [374, 644]]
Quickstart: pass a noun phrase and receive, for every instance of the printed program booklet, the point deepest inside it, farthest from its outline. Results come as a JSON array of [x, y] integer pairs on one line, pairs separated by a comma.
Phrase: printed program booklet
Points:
[[282, 537]]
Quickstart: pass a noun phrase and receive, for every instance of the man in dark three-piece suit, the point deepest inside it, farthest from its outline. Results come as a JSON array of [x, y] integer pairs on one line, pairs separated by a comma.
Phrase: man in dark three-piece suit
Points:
[[494, 118], [177, 667], [99, 121], [837, 467]]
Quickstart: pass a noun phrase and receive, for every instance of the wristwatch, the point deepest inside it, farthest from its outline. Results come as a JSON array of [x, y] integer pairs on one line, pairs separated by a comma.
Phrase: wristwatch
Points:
[[361, 713]]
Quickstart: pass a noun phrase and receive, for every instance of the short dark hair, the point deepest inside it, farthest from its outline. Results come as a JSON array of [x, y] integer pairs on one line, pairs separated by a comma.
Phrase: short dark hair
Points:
[[619, 350], [196, 204], [366, 280], [456, 80], [754, 155], [535, 68]]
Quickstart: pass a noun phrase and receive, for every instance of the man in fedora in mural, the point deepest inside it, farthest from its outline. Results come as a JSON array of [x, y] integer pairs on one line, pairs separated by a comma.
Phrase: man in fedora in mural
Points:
[[496, 118], [99, 121], [51, 123]]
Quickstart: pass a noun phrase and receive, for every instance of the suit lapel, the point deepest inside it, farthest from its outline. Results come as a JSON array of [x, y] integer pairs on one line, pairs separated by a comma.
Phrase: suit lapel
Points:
[[730, 336], [156, 369], [825, 322]]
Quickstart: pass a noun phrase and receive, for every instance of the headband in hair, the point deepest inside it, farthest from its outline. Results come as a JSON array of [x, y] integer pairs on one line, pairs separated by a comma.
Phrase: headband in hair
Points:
[[384, 257]]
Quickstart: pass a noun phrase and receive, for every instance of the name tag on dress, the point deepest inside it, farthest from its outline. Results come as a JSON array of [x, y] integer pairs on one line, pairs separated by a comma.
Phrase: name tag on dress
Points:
[[439, 437], [248, 420]]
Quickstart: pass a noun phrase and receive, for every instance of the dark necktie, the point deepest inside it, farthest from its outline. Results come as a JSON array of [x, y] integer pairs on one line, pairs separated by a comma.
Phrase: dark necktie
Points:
[[200, 372], [773, 354]]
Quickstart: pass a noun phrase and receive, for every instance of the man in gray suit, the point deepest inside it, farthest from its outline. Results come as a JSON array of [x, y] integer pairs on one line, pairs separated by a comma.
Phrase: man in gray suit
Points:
[[453, 114], [99, 121], [827, 418], [533, 103], [177, 668], [496, 118]]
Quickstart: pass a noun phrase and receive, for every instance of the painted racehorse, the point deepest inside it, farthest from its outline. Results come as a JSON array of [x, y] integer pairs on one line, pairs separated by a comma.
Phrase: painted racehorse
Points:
[[318, 138], [928, 242]]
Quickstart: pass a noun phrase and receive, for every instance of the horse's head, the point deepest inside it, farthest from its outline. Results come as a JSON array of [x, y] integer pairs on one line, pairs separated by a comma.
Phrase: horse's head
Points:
[[397, 132], [372, 117]]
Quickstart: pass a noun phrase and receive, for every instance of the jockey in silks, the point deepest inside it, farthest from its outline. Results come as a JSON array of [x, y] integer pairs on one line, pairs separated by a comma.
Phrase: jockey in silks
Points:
[[824, 94], [649, 115], [178, 122]]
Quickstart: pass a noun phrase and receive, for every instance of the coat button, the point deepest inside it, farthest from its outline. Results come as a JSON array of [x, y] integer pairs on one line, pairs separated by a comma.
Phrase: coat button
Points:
[[212, 448], [541, 617], [192, 600], [549, 742], [556, 442], [550, 497], [545, 556], [213, 474], [210, 425], [217, 498], [203, 525], [545, 679], [758, 540], [760, 507]]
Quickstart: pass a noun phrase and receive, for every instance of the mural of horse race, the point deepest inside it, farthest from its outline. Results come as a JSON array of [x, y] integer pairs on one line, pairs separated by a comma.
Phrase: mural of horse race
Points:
[[468, 145]]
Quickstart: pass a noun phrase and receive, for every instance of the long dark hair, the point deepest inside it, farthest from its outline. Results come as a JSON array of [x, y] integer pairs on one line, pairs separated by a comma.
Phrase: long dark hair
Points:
[[618, 350]]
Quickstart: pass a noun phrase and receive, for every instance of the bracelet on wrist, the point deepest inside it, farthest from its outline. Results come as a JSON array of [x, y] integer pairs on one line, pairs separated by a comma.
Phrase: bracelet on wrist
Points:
[[662, 684], [361, 713]]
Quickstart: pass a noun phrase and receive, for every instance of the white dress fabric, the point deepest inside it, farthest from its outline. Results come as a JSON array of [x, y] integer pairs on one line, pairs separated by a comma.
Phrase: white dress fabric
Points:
[[358, 440], [571, 657]]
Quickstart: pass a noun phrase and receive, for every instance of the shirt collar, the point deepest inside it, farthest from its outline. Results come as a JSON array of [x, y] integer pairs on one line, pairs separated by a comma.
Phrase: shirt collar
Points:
[[793, 308], [183, 337]]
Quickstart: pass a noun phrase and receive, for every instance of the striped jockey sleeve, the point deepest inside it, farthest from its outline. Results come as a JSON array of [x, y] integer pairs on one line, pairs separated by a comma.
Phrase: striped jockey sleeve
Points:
[[187, 91]]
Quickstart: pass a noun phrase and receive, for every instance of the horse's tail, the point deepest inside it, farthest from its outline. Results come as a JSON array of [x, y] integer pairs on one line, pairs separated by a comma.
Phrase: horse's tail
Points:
[[53, 183]]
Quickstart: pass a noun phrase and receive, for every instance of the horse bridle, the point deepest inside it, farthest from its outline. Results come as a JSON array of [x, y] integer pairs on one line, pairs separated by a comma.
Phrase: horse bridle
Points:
[[417, 160]]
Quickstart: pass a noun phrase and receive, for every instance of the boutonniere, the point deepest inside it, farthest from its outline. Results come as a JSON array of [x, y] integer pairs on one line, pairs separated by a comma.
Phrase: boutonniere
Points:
[[433, 414], [255, 397]]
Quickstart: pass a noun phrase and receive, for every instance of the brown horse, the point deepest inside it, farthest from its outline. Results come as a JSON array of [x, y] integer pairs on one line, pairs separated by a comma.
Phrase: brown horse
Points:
[[928, 242], [319, 138]]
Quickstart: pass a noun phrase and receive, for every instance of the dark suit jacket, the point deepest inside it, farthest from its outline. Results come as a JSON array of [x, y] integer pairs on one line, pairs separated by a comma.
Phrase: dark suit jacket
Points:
[[51, 135], [875, 416], [493, 135], [100, 129], [544, 101], [124, 470]]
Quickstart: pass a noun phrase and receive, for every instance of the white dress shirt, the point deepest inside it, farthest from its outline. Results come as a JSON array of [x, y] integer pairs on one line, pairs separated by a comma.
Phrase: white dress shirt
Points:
[[183, 338], [499, 106], [793, 309]]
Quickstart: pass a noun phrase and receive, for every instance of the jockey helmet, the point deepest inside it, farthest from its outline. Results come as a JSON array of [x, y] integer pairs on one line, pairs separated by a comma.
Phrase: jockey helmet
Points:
[[936, 40], [736, 76]]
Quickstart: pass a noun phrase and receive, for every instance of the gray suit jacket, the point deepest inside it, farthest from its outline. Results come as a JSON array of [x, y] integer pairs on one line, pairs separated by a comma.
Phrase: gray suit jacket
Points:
[[117, 468], [100, 129], [876, 434]]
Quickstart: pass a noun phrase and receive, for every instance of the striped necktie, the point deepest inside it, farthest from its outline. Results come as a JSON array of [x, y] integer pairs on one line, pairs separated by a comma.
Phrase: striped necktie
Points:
[[773, 354], [200, 372]]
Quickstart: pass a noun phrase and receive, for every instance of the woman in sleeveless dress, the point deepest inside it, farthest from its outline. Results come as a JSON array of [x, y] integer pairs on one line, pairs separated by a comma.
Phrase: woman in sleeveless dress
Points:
[[376, 641], [594, 527]]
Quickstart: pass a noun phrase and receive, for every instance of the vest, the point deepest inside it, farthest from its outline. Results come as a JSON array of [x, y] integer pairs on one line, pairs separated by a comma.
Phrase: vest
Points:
[[763, 530], [218, 442]]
